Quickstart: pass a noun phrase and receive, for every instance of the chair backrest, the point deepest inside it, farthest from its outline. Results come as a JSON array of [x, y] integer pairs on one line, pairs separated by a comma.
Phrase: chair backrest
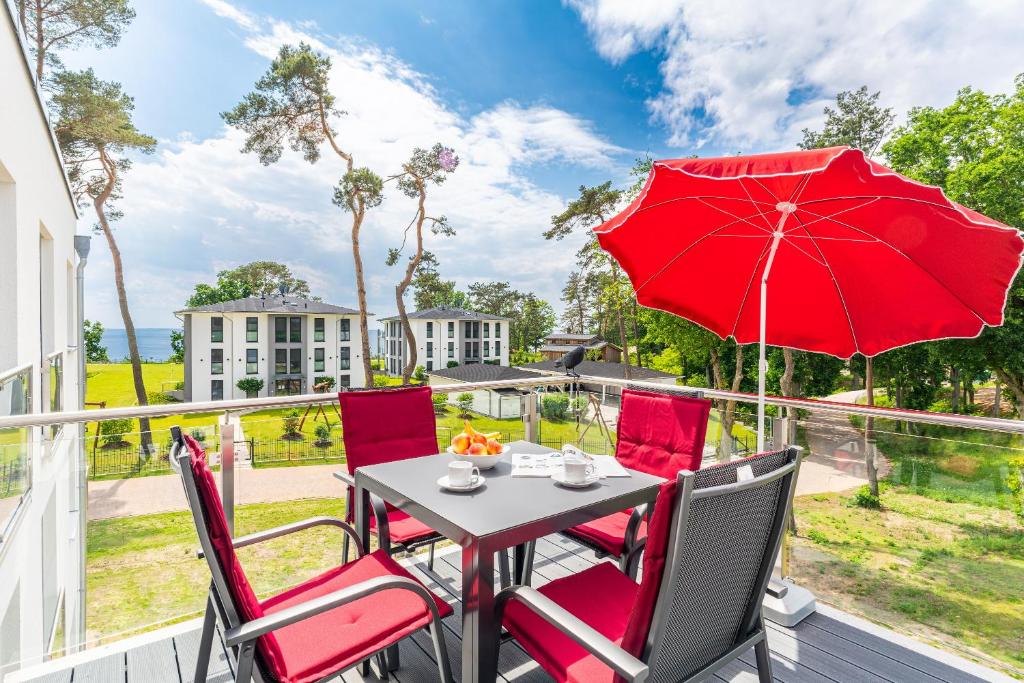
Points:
[[661, 433], [234, 598], [384, 425], [711, 546]]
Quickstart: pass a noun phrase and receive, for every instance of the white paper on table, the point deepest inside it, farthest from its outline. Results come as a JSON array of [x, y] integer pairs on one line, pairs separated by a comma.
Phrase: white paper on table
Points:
[[608, 466], [536, 464]]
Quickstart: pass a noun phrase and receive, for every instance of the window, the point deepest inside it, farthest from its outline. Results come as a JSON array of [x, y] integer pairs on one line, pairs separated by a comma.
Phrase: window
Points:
[[287, 387], [430, 365], [217, 390], [451, 330], [294, 361], [281, 361], [252, 357], [497, 348], [344, 361], [469, 329], [216, 361], [430, 330], [345, 333], [451, 349], [217, 330], [252, 330], [295, 330], [487, 329], [476, 330], [318, 329], [318, 360], [430, 349], [487, 348], [280, 330], [497, 330], [344, 380]]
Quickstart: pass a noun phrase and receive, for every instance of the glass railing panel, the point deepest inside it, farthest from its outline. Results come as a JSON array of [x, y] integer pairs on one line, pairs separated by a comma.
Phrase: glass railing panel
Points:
[[15, 446]]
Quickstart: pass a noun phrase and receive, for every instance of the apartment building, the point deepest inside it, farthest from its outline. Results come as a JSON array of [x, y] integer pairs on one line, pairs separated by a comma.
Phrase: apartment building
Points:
[[445, 337], [42, 482], [287, 342]]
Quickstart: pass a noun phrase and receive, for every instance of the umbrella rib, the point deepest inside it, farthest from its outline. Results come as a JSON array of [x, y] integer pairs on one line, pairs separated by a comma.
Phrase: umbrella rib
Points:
[[821, 217], [713, 233], [835, 282], [738, 218], [772, 194], [699, 198], [974, 225], [767, 222], [746, 293], [909, 258]]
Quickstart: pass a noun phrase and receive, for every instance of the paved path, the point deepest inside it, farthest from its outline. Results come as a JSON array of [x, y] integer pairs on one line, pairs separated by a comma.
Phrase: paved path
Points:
[[147, 495]]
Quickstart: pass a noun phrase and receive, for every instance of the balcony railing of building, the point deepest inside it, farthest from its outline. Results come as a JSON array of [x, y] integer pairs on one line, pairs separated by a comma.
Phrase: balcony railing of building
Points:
[[959, 464]]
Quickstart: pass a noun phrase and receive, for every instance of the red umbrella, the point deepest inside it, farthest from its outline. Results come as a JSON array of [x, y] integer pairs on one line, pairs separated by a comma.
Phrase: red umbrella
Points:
[[858, 258]]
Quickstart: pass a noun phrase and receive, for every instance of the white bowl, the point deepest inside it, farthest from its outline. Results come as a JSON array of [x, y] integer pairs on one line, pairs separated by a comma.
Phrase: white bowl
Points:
[[484, 462]]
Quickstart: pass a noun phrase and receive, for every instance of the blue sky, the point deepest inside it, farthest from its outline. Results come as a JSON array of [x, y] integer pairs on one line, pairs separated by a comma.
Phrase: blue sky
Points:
[[536, 97]]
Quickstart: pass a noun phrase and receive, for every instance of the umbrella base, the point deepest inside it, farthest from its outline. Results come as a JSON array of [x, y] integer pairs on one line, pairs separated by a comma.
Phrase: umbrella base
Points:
[[787, 604]]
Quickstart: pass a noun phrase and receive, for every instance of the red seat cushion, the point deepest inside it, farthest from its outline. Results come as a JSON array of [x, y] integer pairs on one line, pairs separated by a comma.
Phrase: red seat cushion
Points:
[[334, 640], [558, 654], [607, 533], [402, 528], [661, 434]]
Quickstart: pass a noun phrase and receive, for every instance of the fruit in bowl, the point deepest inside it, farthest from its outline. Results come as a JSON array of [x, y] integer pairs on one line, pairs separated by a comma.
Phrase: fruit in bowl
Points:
[[483, 450]]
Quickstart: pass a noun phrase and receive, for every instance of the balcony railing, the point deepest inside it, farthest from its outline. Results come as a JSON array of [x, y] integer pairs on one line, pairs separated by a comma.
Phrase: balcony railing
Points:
[[964, 470], [15, 444]]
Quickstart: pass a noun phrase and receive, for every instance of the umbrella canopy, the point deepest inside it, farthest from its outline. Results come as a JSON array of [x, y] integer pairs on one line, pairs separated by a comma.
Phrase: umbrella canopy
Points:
[[857, 258]]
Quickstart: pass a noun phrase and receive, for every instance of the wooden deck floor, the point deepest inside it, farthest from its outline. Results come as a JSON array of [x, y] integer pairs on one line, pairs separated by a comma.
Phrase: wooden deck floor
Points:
[[827, 646]]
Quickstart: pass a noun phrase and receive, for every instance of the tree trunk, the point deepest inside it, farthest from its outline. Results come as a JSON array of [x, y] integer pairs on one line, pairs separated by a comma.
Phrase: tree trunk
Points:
[[145, 437], [729, 415], [364, 328], [997, 400], [869, 428], [954, 385], [786, 381], [621, 323], [410, 338], [40, 48], [1016, 385], [968, 392], [636, 333]]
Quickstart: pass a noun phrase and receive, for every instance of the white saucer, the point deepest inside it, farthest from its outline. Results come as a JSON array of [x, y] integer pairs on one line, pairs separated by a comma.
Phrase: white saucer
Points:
[[560, 479], [443, 483]]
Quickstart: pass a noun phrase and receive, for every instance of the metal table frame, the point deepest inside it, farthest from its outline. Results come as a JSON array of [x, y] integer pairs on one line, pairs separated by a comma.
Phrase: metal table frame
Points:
[[480, 539]]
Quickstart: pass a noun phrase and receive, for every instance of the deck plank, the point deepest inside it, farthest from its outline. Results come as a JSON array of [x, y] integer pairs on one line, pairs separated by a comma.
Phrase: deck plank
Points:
[[102, 670], [154, 663], [186, 646]]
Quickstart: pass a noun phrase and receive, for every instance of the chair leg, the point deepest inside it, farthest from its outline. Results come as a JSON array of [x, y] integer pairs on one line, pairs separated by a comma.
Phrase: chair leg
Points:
[[392, 658], [504, 574], [527, 569], [764, 661], [382, 665], [364, 668], [344, 550], [247, 652], [444, 667], [430, 556], [206, 640]]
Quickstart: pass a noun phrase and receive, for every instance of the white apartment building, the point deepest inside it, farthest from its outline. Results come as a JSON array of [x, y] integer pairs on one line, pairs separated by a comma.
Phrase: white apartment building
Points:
[[444, 337], [288, 342], [42, 478]]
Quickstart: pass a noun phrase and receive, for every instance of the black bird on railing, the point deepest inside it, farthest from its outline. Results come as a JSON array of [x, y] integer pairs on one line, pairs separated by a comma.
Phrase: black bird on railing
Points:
[[570, 360]]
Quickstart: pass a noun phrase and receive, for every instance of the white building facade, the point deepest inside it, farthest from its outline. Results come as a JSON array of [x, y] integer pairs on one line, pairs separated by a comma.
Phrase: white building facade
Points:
[[289, 343], [41, 475], [445, 337]]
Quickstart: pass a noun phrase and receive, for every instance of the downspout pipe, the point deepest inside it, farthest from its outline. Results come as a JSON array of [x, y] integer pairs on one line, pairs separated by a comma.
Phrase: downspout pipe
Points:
[[82, 245]]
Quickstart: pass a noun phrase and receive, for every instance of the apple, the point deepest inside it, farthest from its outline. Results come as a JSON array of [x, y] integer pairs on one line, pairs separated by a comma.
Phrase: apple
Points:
[[493, 446], [478, 449], [461, 443], [480, 439]]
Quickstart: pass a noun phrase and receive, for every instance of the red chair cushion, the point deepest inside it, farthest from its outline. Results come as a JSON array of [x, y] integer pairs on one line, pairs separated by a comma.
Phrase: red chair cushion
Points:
[[607, 533], [558, 654], [402, 528], [334, 640], [661, 434], [387, 425]]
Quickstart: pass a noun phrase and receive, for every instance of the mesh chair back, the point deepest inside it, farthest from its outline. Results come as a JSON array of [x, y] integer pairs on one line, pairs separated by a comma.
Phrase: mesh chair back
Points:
[[234, 598], [668, 389], [661, 433], [724, 538], [384, 425]]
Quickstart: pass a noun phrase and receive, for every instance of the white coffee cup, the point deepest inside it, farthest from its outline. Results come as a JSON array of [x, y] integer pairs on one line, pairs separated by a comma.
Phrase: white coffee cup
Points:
[[461, 473], [577, 469]]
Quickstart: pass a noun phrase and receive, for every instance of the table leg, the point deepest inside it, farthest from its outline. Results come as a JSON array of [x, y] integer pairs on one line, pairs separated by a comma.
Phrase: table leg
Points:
[[479, 629], [523, 563], [362, 515]]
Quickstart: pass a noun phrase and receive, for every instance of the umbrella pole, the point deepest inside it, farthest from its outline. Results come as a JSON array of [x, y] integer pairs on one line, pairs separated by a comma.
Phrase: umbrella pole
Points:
[[785, 208]]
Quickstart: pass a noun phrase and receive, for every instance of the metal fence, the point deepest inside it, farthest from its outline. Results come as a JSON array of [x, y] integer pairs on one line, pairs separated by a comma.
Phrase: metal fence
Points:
[[264, 452], [13, 478]]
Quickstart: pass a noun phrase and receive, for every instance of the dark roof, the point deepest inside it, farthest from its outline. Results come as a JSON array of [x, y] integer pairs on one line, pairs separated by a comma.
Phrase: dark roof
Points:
[[271, 304], [565, 336], [600, 369], [482, 372], [441, 313]]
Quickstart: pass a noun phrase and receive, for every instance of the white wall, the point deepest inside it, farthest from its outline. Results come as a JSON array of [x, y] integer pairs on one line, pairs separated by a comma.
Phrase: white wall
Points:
[[441, 340], [37, 227]]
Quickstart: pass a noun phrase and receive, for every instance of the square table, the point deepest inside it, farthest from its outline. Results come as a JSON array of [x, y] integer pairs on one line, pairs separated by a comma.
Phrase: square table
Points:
[[506, 511]]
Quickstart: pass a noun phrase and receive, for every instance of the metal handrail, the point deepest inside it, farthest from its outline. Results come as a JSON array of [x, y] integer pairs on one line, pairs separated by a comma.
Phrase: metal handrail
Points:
[[542, 380], [7, 374]]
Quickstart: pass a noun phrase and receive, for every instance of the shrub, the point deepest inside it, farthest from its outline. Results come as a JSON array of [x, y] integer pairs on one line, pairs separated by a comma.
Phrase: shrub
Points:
[[465, 403], [453, 363], [322, 431], [198, 434], [440, 403], [112, 432], [863, 498], [290, 425], [420, 375], [555, 407], [250, 385], [323, 383]]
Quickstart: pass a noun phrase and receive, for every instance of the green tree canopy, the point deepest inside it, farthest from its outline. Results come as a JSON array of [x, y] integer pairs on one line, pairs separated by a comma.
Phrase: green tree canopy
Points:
[[95, 351], [54, 25], [857, 121], [259, 278]]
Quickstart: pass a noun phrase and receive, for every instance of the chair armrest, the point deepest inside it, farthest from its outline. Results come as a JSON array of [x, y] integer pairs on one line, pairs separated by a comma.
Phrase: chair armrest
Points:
[[632, 562], [636, 517], [380, 510], [285, 529], [345, 478], [310, 608], [620, 661]]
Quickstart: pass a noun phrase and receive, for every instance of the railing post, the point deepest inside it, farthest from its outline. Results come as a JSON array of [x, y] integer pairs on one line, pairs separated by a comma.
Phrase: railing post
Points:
[[530, 422], [227, 469]]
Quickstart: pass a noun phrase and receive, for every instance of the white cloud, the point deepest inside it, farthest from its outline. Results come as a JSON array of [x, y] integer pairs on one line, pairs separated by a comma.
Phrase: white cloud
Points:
[[203, 204], [730, 68]]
